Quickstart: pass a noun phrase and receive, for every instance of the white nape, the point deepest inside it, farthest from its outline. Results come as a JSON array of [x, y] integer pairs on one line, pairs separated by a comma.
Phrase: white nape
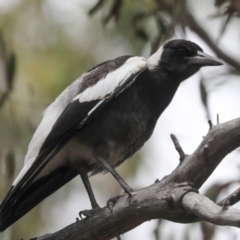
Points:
[[154, 59]]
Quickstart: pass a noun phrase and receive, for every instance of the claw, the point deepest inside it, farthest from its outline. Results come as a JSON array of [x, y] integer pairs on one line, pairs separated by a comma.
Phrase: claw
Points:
[[85, 213], [88, 213], [129, 194], [111, 202]]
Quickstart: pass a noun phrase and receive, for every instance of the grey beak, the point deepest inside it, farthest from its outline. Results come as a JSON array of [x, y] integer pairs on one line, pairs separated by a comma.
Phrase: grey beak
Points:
[[203, 59]]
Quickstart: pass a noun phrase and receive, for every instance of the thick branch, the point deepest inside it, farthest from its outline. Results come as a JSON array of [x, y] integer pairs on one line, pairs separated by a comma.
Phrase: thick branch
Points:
[[207, 210], [162, 199]]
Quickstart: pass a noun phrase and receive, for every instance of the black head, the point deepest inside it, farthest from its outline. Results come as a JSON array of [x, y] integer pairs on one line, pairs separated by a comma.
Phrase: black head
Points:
[[184, 58]]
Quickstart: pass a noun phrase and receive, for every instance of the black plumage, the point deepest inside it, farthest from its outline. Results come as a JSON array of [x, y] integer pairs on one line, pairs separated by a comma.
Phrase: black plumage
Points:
[[102, 119]]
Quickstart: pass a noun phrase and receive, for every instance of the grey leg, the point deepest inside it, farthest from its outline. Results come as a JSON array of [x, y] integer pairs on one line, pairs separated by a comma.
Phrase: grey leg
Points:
[[123, 184], [95, 206], [88, 187]]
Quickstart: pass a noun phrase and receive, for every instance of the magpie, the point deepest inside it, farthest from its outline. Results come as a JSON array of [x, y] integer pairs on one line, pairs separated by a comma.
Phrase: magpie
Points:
[[98, 122]]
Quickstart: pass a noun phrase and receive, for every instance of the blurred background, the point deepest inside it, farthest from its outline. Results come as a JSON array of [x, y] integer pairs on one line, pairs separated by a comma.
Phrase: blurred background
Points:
[[47, 44]]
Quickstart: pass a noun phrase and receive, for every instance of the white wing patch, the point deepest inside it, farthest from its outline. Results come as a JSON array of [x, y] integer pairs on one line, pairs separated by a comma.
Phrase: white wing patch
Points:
[[107, 85]]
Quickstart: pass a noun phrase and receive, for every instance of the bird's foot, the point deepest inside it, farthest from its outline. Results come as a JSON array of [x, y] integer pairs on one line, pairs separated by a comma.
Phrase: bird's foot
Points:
[[129, 192], [112, 201], [88, 213]]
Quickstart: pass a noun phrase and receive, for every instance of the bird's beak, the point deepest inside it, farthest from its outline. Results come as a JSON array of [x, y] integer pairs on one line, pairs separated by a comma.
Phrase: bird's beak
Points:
[[203, 59]]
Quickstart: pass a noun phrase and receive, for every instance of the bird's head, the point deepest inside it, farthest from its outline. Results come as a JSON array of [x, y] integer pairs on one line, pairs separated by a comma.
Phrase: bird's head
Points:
[[181, 58]]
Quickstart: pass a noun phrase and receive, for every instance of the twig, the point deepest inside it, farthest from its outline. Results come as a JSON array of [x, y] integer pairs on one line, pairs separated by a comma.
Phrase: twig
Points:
[[217, 119], [231, 199], [178, 147], [210, 124]]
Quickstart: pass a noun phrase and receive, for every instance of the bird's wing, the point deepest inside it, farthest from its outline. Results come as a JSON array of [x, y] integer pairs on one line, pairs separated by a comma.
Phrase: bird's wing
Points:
[[94, 91], [97, 87]]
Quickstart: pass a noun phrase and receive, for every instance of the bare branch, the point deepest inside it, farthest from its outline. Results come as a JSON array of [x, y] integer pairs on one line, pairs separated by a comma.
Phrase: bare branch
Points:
[[210, 124], [231, 199], [178, 147], [218, 119], [207, 210]]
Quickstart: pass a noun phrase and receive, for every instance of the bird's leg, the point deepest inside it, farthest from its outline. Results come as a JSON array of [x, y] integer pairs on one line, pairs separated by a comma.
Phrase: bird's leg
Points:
[[95, 206], [111, 202], [120, 180]]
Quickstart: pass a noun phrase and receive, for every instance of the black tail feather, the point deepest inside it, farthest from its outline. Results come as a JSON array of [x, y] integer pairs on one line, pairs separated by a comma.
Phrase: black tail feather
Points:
[[12, 209]]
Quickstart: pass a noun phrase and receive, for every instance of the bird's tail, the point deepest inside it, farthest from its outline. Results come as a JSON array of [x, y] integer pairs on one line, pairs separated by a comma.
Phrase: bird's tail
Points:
[[18, 203]]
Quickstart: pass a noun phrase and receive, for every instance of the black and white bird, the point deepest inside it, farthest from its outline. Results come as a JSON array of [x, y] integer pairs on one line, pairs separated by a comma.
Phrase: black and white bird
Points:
[[98, 122]]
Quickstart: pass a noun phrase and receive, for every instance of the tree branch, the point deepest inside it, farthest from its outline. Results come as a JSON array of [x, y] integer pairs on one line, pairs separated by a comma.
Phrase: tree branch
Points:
[[231, 199], [207, 210], [168, 198]]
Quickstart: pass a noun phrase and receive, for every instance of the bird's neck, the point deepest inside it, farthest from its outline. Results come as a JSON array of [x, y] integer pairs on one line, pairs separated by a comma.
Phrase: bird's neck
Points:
[[163, 89]]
